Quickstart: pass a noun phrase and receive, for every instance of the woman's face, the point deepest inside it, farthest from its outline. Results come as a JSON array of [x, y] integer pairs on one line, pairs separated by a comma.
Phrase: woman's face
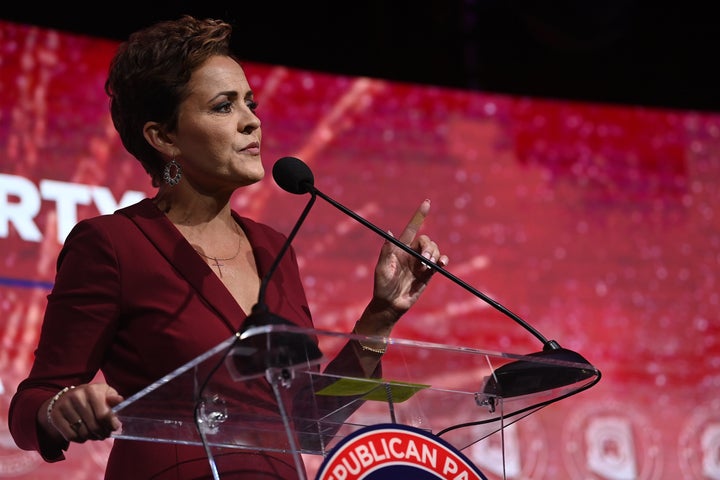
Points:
[[218, 134]]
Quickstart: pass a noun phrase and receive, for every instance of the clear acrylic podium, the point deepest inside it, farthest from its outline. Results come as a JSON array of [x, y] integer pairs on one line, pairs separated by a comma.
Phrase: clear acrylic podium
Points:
[[317, 397]]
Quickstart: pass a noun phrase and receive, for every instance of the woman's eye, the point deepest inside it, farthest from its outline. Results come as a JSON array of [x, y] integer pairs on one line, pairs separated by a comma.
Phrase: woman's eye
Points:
[[252, 105], [223, 107]]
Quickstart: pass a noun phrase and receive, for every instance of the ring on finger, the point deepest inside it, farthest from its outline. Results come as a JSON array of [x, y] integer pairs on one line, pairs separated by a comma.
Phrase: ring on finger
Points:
[[76, 424]]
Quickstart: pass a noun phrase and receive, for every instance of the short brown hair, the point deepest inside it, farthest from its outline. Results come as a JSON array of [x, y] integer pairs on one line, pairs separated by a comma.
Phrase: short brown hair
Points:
[[148, 78]]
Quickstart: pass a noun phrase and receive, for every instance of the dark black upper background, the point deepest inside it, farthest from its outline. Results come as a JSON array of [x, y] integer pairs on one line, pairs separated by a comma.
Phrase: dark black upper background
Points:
[[636, 52]]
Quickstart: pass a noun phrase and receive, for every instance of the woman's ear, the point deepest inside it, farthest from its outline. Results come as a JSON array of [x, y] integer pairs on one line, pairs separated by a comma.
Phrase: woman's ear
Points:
[[156, 136]]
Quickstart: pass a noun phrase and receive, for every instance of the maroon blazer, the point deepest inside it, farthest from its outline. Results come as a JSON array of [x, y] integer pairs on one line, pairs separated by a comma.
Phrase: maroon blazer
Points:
[[133, 300]]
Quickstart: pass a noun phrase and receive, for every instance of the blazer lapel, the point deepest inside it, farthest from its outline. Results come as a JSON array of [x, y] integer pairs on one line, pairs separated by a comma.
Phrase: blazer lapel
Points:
[[181, 256]]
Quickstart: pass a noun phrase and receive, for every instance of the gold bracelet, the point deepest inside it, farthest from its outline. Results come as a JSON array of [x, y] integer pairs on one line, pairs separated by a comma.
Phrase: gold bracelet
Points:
[[368, 348], [54, 400], [372, 349]]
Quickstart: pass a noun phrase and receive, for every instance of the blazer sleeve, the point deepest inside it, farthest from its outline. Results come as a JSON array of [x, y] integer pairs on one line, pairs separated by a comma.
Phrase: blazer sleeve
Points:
[[81, 313]]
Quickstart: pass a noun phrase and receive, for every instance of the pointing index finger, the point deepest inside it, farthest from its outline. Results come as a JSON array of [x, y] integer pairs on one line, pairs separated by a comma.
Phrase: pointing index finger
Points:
[[415, 223]]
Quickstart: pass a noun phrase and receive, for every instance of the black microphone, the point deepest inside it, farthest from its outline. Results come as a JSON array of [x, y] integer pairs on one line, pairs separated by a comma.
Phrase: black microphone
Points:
[[293, 175], [516, 378]]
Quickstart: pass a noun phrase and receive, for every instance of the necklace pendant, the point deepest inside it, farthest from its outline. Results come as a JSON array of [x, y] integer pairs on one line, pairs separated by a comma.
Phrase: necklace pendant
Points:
[[215, 261], [218, 265]]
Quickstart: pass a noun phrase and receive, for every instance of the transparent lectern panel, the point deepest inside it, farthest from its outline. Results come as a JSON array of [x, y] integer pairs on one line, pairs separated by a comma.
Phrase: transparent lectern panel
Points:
[[287, 389]]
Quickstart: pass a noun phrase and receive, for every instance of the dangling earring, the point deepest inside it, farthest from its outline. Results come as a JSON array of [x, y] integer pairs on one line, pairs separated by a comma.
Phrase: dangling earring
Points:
[[170, 179]]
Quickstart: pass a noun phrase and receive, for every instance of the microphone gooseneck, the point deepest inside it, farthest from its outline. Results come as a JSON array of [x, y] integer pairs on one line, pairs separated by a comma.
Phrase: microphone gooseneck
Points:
[[260, 305], [294, 176], [281, 348], [514, 379]]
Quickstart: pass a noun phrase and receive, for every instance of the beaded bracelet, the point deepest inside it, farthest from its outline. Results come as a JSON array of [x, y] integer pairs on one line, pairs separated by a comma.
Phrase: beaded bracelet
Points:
[[54, 400]]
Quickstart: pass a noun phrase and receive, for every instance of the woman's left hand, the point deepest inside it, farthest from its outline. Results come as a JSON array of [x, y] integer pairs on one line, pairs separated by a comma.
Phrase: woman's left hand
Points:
[[400, 278]]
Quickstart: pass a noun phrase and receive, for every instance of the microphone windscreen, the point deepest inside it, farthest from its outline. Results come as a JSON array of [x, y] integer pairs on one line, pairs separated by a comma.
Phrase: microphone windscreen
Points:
[[293, 175]]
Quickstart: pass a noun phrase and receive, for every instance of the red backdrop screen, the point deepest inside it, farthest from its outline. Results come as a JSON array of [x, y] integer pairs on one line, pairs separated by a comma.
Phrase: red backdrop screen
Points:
[[598, 224]]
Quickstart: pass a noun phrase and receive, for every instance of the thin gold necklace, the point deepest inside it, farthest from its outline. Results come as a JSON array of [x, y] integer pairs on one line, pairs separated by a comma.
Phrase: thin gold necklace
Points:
[[218, 260]]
